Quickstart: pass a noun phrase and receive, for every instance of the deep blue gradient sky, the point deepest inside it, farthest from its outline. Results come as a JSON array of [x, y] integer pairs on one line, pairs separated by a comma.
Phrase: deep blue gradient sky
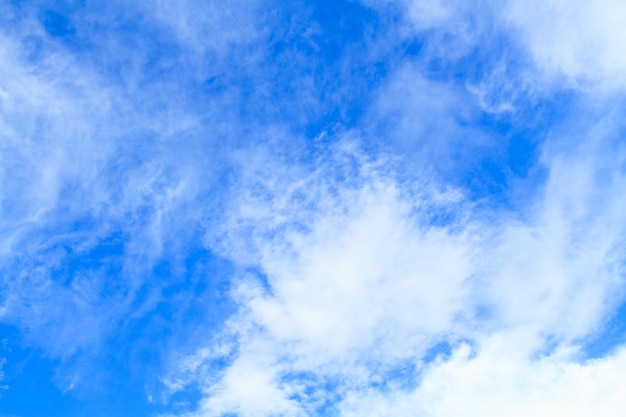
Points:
[[312, 208]]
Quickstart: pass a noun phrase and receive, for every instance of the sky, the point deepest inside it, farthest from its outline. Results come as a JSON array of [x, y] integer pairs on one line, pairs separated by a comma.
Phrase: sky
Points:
[[245, 208]]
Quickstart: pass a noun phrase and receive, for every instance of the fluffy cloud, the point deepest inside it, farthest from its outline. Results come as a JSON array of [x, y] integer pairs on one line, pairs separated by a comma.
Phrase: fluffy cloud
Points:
[[348, 284], [578, 39], [494, 381], [355, 281], [362, 285], [573, 41]]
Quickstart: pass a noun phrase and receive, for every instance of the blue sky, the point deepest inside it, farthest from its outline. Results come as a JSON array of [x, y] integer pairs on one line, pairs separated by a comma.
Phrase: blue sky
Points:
[[346, 208]]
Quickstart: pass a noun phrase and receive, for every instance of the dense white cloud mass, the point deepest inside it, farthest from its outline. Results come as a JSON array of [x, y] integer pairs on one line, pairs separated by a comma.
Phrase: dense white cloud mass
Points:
[[495, 381], [404, 208]]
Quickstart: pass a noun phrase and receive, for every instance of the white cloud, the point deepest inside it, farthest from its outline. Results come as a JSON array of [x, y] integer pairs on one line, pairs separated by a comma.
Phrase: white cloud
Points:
[[66, 157], [576, 41], [212, 26], [353, 278], [347, 277], [579, 39], [453, 28], [560, 271], [357, 284], [494, 383], [250, 387], [343, 267]]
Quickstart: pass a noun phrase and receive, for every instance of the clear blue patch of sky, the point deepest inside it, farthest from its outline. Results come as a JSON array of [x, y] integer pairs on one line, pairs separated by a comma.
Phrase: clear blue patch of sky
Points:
[[30, 374], [610, 336], [56, 24], [191, 298]]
